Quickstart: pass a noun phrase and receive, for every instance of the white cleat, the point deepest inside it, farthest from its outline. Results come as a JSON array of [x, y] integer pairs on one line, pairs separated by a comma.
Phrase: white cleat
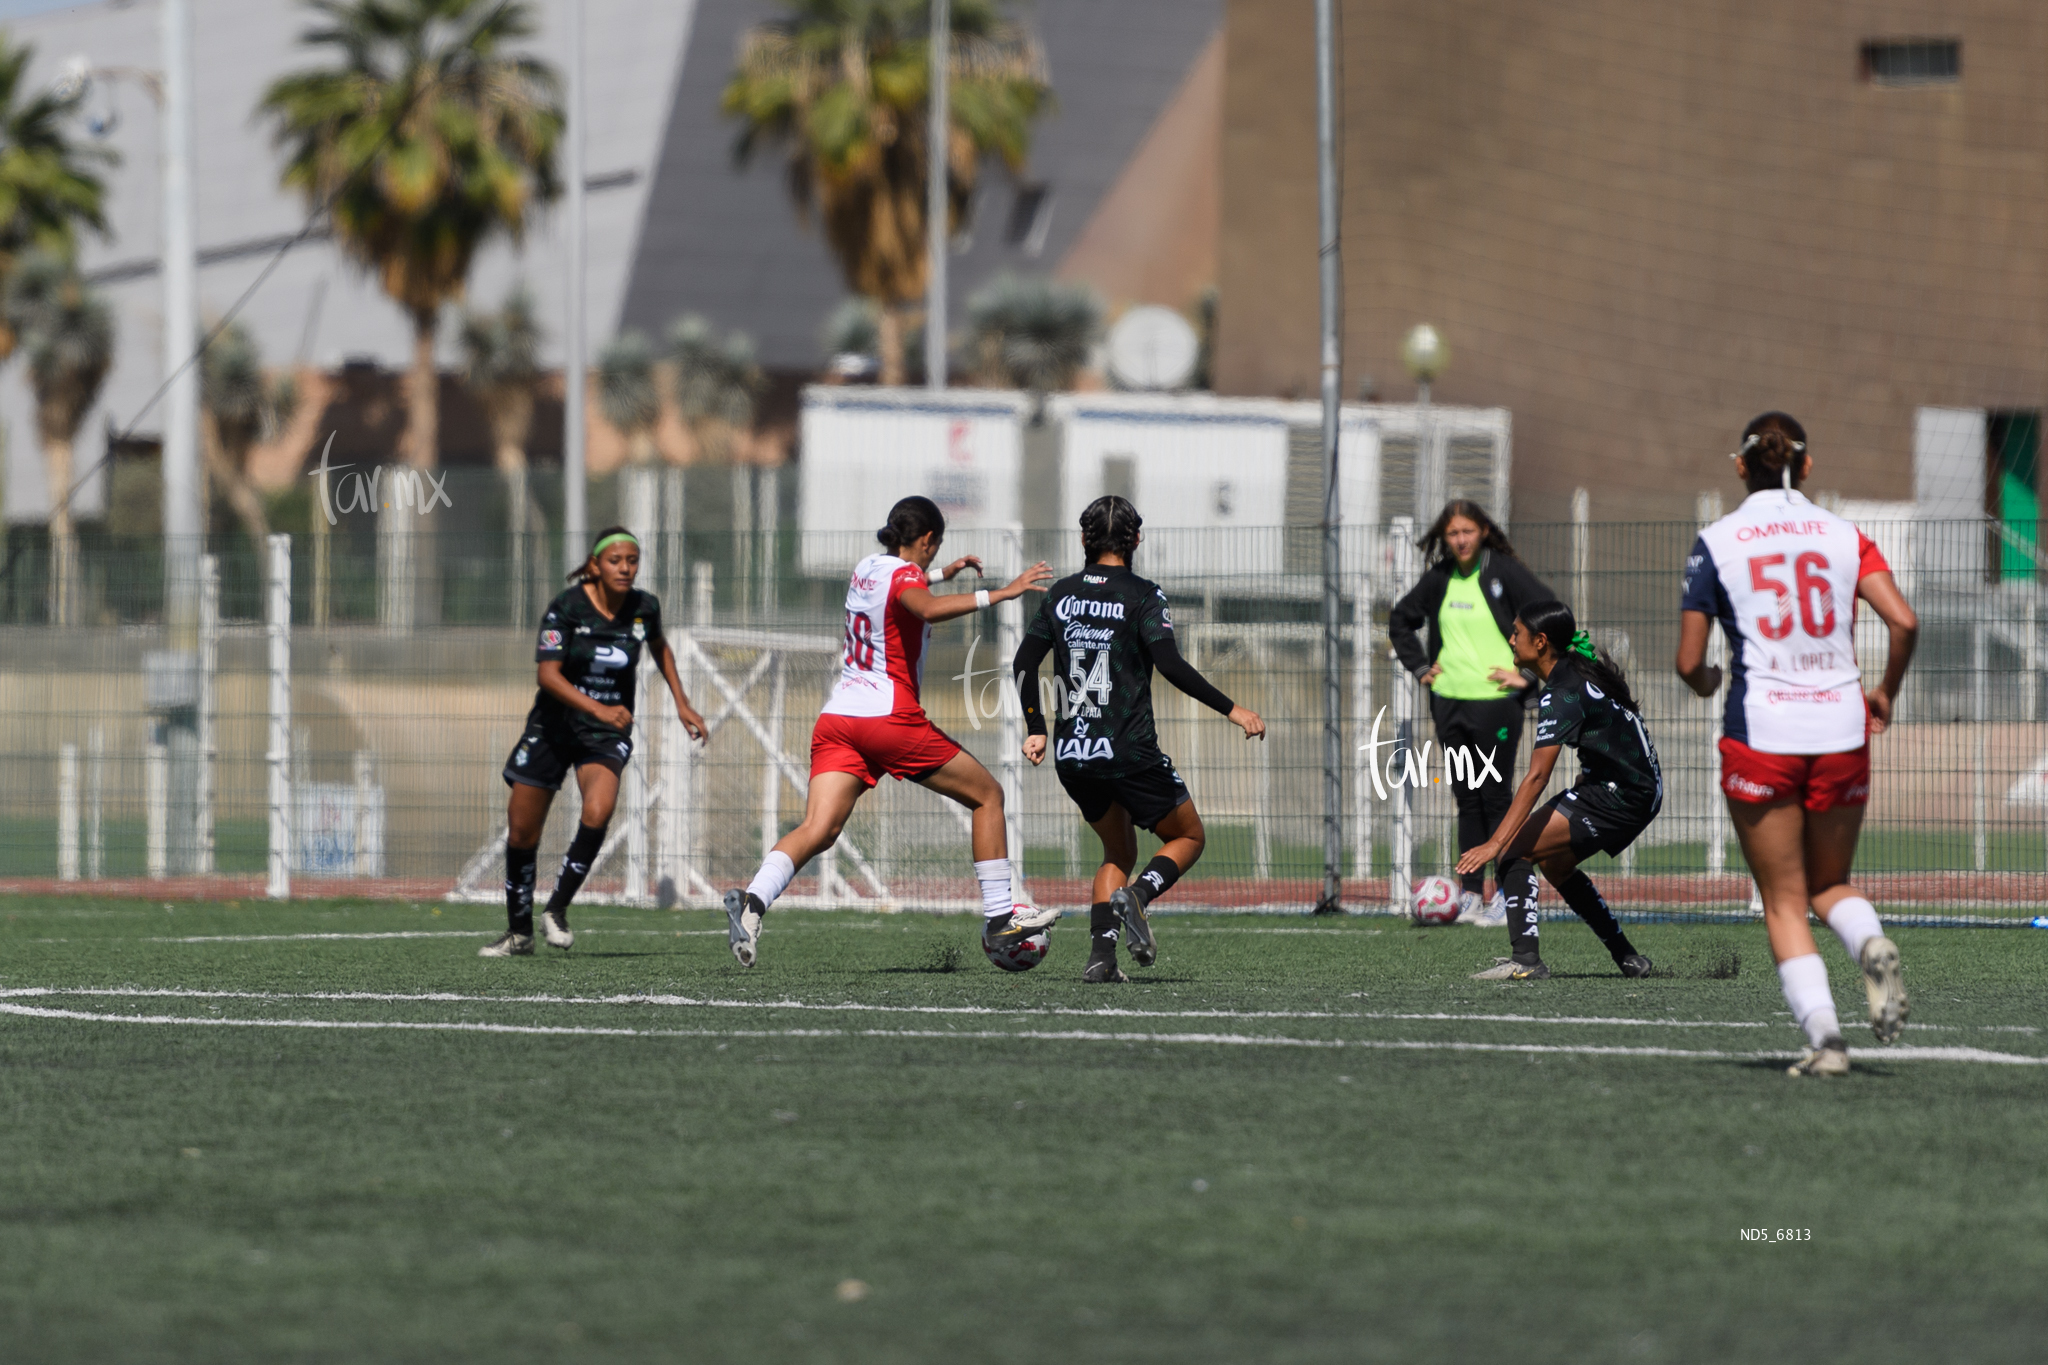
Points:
[[1033, 917], [556, 931], [1831, 1058], [1470, 907], [1494, 916], [1885, 986], [743, 911], [508, 944]]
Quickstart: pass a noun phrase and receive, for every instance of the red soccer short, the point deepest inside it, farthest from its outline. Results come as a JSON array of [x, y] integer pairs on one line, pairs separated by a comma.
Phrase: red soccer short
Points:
[[868, 746], [1818, 781]]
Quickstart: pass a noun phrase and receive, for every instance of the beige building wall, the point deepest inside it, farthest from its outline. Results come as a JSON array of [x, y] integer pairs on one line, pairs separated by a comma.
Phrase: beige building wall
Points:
[[1637, 226]]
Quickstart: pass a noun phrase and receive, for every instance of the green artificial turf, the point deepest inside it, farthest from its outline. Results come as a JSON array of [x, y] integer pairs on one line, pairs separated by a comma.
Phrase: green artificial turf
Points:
[[173, 1192]]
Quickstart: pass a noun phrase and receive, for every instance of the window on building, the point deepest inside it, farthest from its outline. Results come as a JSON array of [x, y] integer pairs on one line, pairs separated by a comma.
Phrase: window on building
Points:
[[1030, 218], [1913, 61]]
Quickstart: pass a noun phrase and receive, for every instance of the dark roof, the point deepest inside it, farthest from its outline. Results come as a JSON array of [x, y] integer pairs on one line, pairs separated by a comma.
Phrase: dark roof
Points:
[[727, 242]]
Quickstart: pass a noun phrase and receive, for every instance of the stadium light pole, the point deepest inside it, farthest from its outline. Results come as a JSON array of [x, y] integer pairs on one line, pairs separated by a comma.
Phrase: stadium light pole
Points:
[[180, 457], [1329, 194], [937, 136], [575, 494]]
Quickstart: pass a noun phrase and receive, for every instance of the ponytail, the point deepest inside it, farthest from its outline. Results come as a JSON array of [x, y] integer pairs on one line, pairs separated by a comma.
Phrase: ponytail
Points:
[[911, 520], [1555, 623], [1773, 444]]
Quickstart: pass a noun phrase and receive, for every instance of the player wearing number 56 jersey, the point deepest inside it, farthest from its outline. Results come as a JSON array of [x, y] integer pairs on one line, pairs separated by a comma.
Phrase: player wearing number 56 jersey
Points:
[[874, 724], [1783, 576], [1107, 630]]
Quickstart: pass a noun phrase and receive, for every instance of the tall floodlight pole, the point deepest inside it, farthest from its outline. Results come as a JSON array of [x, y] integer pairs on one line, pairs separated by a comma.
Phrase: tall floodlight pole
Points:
[[181, 511], [936, 139], [575, 508], [1333, 357]]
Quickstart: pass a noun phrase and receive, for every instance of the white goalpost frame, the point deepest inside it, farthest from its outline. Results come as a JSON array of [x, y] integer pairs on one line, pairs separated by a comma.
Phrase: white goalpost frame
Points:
[[209, 709], [67, 812], [1401, 845]]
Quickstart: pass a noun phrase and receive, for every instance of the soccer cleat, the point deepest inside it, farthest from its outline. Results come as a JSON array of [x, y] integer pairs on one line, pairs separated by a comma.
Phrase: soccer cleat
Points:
[[1886, 987], [1130, 912], [1495, 916], [1102, 969], [1507, 969], [556, 930], [743, 911], [1635, 964], [1033, 917], [1470, 908], [1831, 1058], [508, 944]]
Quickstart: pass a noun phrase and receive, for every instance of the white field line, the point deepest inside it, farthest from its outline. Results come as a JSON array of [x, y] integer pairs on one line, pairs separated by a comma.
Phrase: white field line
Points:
[[851, 1007], [1942, 1054], [409, 933]]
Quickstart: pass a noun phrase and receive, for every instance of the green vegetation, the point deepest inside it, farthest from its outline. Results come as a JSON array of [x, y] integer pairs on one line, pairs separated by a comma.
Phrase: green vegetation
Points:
[[704, 1183]]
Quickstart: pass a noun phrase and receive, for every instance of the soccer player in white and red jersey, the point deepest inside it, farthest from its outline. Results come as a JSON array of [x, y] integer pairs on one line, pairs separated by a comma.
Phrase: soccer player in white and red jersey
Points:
[[1783, 576], [874, 723]]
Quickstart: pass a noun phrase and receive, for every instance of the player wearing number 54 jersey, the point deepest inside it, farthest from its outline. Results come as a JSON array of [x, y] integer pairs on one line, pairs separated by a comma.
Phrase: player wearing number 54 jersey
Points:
[[1107, 629], [1783, 577]]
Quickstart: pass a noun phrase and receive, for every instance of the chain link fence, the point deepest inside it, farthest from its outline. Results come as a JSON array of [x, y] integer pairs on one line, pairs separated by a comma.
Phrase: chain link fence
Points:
[[341, 731]]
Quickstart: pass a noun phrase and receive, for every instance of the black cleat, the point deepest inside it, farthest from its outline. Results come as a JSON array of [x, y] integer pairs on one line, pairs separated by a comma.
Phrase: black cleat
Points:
[[1102, 969], [743, 911], [1635, 964], [1130, 912]]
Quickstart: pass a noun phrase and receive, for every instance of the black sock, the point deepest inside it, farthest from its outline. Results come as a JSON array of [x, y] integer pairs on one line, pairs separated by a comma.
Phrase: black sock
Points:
[[1518, 888], [520, 864], [1102, 926], [1584, 899], [1159, 874], [575, 867]]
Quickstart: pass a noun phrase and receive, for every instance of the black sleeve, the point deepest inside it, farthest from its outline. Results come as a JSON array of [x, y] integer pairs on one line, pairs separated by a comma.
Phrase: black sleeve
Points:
[[1408, 616], [1024, 667], [1182, 674]]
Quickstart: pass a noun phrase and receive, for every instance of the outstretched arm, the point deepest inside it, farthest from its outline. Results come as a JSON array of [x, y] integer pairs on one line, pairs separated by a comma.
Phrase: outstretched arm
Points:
[[1024, 667], [1166, 658], [1541, 762], [929, 606]]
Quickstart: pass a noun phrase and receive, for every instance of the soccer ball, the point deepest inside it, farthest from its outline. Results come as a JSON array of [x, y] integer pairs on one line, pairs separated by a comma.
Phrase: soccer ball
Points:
[[1020, 954], [1436, 901]]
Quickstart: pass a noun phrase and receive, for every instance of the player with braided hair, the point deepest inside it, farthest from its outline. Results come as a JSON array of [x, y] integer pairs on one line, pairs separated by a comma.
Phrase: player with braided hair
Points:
[[1783, 576], [1585, 702]]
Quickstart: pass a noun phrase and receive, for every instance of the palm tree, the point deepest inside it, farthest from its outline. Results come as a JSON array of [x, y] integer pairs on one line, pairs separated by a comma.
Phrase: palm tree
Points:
[[240, 406], [626, 393], [717, 384], [501, 365], [1032, 333], [426, 139], [49, 185], [67, 333], [842, 86]]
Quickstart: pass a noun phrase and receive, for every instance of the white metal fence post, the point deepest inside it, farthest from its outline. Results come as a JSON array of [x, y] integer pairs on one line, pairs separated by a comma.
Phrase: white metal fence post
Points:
[[156, 797], [771, 777], [1582, 551], [209, 708], [1010, 712], [67, 812], [1401, 846], [278, 754], [1362, 645], [95, 792]]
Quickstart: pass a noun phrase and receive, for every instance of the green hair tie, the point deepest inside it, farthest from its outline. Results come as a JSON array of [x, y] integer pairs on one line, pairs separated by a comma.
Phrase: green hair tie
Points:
[[1582, 644], [612, 539]]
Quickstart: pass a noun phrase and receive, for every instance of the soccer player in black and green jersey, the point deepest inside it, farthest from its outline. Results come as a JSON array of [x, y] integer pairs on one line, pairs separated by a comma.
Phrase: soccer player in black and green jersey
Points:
[[1585, 703], [1107, 630]]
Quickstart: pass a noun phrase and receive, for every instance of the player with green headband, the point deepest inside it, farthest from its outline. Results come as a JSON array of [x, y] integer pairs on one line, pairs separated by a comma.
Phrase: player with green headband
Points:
[[588, 658], [1586, 703]]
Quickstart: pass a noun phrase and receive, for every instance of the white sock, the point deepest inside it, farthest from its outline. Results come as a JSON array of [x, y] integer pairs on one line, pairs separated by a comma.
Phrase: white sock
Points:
[[773, 878], [994, 876], [1805, 980], [1855, 923]]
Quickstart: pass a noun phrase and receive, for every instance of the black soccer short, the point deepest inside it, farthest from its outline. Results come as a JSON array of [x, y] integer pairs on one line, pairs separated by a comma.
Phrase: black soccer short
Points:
[[552, 748], [1602, 819], [1150, 794]]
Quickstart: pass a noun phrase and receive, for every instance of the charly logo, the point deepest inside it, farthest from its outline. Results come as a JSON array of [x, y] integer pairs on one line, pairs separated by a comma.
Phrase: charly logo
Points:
[[383, 488], [1464, 762]]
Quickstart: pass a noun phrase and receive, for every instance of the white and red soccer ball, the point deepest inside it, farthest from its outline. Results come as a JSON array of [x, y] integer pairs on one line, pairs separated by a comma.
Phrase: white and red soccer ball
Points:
[[1020, 953], [1435, 901]]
